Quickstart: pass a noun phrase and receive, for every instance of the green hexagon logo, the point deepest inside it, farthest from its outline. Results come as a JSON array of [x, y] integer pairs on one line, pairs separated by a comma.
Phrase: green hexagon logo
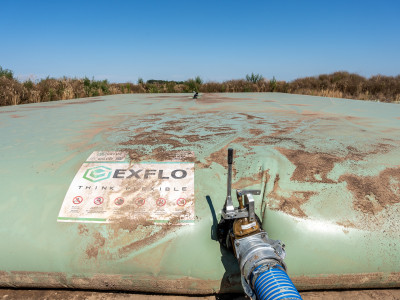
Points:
[[97, 174]]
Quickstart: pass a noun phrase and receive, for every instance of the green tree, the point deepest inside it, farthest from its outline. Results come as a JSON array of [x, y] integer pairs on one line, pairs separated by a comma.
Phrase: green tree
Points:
[[6, 73], [254, 78]]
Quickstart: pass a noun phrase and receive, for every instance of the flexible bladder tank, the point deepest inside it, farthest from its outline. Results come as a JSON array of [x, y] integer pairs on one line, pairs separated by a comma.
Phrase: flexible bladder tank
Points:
[[124, 192]]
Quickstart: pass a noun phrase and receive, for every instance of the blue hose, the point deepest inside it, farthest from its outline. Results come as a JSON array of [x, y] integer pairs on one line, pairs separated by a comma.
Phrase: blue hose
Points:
[[274, 284]]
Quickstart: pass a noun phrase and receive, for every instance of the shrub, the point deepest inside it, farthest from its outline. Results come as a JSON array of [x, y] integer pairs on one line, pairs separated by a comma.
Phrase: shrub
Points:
[[338, 84], [6, 73], [254, 78]]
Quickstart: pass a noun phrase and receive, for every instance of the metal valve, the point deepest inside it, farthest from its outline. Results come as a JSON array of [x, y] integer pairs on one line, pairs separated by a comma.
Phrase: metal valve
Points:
[[238, 221], [240, 231]]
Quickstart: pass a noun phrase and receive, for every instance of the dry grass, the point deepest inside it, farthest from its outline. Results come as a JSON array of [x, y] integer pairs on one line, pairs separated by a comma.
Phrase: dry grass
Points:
[[338, 85]]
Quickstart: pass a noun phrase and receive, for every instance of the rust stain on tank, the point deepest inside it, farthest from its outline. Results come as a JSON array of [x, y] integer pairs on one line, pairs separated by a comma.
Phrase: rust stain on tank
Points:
[[256, 131], [16, 116], [244, 182], [250, 117], [92, 250], [149, 240], [92, 100], [218, 98], [282, 129], [7, 111], [346, 281], [289, 204], [310, 167], [373, 193], [219, 156], [154, 137]]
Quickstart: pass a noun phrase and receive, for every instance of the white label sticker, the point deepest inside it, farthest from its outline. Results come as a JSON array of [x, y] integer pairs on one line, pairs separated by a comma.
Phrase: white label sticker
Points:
[[248, 226], [108, 188]]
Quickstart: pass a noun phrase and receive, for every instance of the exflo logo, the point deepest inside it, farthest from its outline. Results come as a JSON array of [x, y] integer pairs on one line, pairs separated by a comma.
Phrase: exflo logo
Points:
[[100, 173], [97, 174]]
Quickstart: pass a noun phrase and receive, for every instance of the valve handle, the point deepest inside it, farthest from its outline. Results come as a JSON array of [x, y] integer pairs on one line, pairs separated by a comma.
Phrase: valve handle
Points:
[[230, 156]]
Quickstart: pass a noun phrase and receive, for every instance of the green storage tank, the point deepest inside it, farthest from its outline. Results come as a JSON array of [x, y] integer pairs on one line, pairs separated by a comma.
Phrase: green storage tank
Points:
[[124, 192]]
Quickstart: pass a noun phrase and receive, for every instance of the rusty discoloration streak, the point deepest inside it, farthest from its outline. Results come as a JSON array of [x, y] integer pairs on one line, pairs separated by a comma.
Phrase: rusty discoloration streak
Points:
[[291, 204], [250, 117], [218, 98], [256, 131], [93, 250], [244, 182], [347, 281], [219, 156], [58, 104], [310, 167], [374, 193], [154, 137], [92, 100], [7, 111], [218, 128], [315, 166], [148, 240], [82, 229], [158, 154], [282, 129], [172, 96], [187, 285], [347, 224], [28, 279], [88, 134], [17, 116]]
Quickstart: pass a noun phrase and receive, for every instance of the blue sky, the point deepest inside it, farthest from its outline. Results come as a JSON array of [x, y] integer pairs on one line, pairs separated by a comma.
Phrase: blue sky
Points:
[[217, 40]]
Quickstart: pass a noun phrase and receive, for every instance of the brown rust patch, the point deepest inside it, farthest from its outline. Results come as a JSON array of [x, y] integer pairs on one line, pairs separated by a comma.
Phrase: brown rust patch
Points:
[[310, 167], [154, 137], [291, 204], [7, 111], [347, 281], [281, 130], [256, 131], [373, 193], [189, 285], [117, 282], [33, 279], [218, 128], [129, 224], [219, 156], [17, 116], [171, 96], [158, 154], [149, 240], [250, 117], [93, 250], [218, 98], [66, 102], [347, 224], [82, 229], [244, 182]]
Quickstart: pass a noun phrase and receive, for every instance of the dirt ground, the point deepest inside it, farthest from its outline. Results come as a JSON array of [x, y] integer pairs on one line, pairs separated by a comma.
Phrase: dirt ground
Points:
[[90, 295]]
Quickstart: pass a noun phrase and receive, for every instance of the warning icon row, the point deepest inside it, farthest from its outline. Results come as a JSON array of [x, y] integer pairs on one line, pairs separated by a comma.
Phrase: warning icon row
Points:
[[120, 200]]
